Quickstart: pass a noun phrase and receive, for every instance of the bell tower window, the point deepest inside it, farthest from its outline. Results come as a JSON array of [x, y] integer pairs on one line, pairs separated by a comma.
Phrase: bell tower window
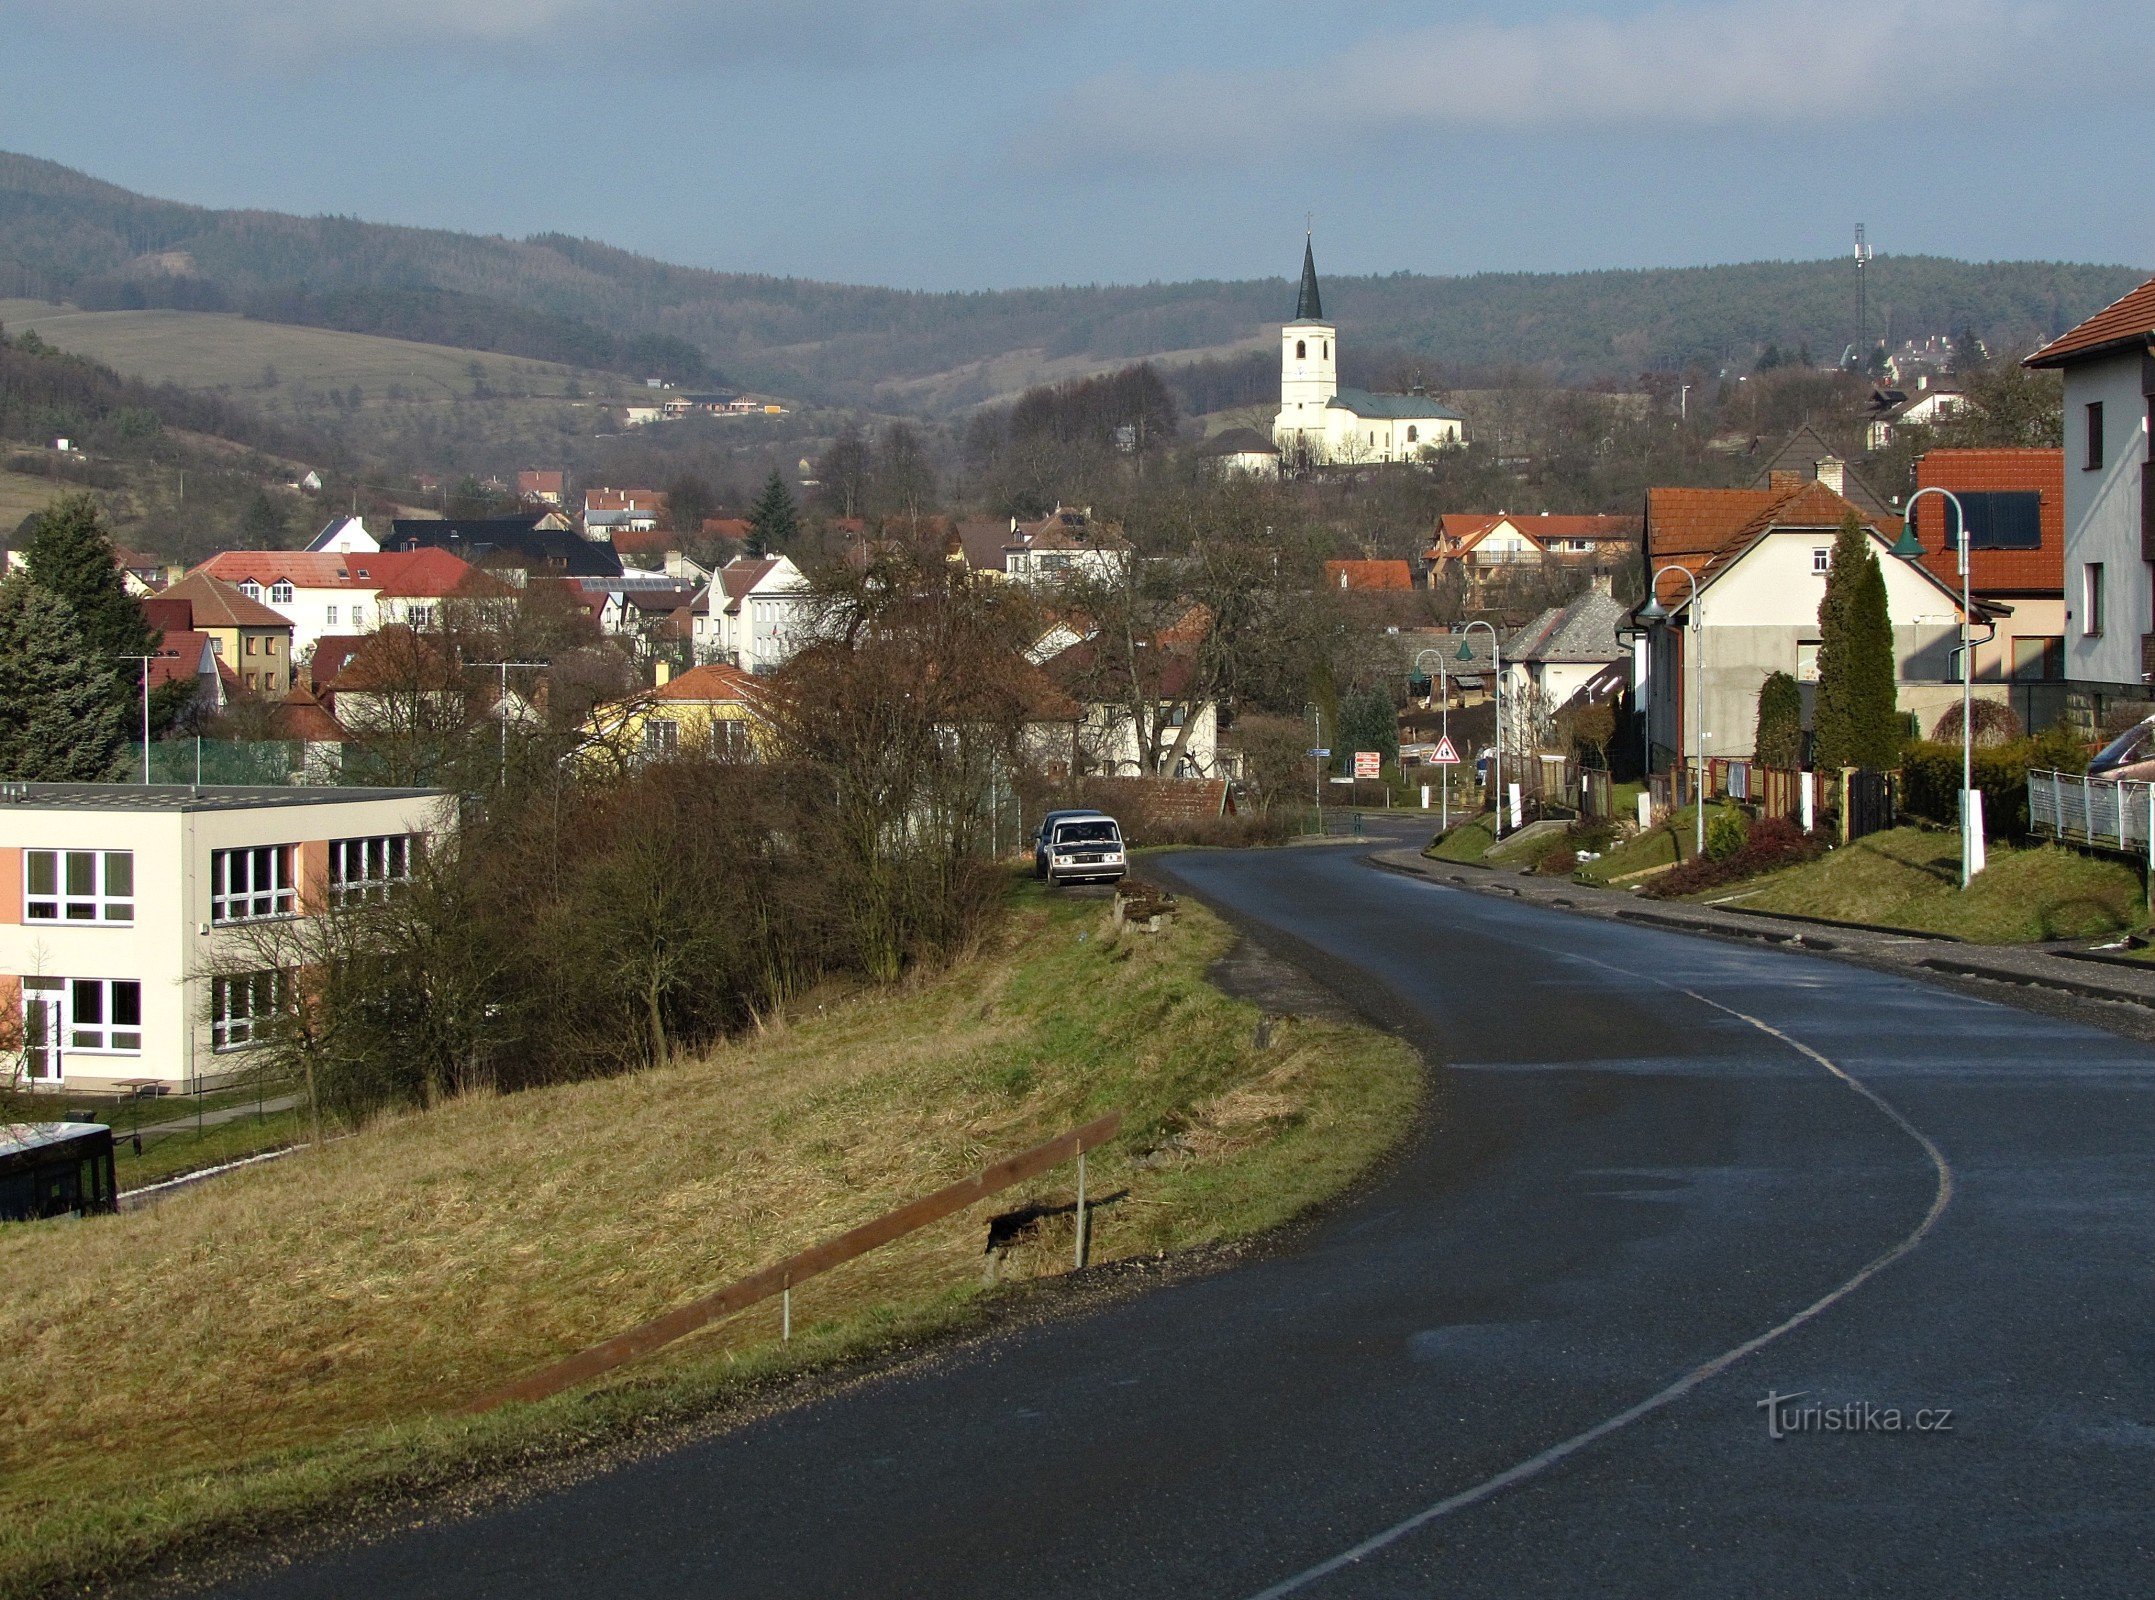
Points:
[[1301, 350]]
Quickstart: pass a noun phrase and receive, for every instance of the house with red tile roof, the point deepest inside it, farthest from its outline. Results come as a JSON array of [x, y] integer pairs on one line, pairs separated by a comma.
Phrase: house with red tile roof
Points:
[[546, 486], [2108, 364], [759, 612], [1750, 566], [250, 638], [1476, 540], [333, 592], [2014, 501]]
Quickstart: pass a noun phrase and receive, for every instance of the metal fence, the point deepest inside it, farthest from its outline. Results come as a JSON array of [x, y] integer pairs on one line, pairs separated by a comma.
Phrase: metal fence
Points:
[[2104, 815]]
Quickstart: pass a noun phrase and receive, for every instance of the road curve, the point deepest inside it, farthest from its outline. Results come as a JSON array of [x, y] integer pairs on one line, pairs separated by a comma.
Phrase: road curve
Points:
[[1671, 1176]]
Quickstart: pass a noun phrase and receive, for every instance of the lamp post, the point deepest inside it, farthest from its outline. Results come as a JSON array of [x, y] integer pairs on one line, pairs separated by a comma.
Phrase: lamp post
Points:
[[1655, 613], [501, 706], [145, 660], [1444, 717], [1496, 694], [1909, 548]]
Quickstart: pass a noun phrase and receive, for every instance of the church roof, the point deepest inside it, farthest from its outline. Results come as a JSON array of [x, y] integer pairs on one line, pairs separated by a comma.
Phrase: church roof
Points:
[[1309, 306], [1365, 404]]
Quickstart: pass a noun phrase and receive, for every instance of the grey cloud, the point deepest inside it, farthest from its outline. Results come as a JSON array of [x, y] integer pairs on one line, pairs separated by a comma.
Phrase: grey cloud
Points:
[[1719, 64]]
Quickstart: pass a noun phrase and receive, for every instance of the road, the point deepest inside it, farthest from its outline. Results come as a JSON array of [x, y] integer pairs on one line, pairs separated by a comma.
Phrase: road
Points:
[[1668, 1176]]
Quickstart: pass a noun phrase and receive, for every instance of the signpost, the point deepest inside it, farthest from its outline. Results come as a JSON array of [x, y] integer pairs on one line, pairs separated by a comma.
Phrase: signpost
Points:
[[1447, 757], [1369, 763]]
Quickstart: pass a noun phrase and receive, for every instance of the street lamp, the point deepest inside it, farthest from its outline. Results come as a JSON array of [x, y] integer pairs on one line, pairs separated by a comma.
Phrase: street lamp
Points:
[[1444, 715], [1496, 694], [1654, 613], [1909, 548]]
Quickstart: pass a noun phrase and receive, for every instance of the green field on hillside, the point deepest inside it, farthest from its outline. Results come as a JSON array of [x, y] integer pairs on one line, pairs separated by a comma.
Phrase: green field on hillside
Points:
[[226, 352], [286, 1337]]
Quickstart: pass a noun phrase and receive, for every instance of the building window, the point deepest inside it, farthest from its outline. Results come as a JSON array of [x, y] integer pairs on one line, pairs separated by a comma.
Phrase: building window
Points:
[[104, 1014], [1301, 350], [78, 885], [248, 885], [241, 1006], [2039, 660], [251, 589], [359, 616], [367, 869], [332, 616], [1807, 660], [1413, 433], [2091, 600], [280, 594], [420, 616], [662, 737], [2095, 435], [1821, 561], [252, 641]]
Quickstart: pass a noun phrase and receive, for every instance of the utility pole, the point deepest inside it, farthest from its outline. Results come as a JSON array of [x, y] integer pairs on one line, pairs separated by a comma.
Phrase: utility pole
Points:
[[501, 706], [145, 661], [1863, 345]]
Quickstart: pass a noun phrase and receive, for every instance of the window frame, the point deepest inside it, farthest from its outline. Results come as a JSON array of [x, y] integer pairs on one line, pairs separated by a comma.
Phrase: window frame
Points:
[[399, 850], [263, 995], [280, 894], [106, 1029], [280, 594], [2093, 597], [1821, 561], [2092, 421], [62, 899]]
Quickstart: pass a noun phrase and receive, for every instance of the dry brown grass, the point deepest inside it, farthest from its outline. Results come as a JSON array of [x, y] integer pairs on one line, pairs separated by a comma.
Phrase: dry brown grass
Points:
[[294, 1335]]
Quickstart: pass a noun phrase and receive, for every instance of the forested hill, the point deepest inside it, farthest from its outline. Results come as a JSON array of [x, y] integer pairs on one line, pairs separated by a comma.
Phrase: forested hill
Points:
[[555, 297]]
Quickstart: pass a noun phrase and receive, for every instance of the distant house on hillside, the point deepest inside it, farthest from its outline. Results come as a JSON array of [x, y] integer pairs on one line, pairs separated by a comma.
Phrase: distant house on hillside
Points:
[[344, 536], [1065, 545], [1241, 451], [546, 486], [759, 612], [1368, 575], [1805, 457], [247, 636]]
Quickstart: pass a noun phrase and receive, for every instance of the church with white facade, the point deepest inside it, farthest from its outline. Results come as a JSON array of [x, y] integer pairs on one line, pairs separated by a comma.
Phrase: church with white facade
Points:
[[1321, 424]]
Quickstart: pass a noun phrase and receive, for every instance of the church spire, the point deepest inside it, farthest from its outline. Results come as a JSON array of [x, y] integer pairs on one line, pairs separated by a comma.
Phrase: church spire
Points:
[[1308, 307]]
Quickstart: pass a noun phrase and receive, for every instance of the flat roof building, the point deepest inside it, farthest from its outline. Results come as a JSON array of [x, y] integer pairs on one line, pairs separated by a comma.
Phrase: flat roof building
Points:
[[123, 908]]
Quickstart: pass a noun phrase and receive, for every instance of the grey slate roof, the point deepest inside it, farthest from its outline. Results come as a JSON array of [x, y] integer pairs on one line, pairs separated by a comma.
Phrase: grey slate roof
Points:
[[1801, 452], [1238, 442], [1308, 307], [1585, 630], [1410, 406]]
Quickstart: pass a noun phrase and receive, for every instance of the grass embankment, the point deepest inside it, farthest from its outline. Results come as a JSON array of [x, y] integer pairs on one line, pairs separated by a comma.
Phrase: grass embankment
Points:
[[1910, 878], [173, 1144], [291, 1339], [1662, 845]]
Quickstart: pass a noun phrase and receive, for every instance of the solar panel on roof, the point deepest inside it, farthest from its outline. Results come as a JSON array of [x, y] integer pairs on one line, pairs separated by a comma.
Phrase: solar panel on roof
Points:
[[1999, 519]]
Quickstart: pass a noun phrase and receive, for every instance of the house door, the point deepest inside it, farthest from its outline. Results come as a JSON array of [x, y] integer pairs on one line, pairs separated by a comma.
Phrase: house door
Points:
[[41, 1035]]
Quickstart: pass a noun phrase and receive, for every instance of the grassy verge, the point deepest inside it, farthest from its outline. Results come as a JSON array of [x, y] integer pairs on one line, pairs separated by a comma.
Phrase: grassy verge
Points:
[[1910, 878], [1660, 846], [1467, 841], [175, 1154], [328, 1312]]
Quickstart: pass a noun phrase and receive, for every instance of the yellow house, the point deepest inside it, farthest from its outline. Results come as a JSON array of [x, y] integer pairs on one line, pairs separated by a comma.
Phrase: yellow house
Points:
[[250, 638], [708, 710]]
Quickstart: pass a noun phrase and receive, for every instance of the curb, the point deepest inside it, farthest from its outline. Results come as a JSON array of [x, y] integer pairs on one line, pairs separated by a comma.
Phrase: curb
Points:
[[2028, 980]]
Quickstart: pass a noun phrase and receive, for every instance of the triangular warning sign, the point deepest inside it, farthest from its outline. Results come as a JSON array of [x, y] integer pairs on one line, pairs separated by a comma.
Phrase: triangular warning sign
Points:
[[1446, 756]]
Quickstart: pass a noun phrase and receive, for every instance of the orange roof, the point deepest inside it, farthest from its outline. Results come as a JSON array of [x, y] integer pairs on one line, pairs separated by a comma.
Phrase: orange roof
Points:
[[299, 715], [2122, 324], [1368, 575], [423, 573], [219, 605], [540, 480], [1703, 530], [179, 658], [710, 683], [623, 500], [645, 541], [2000, 572], [431, 574], [730, 527]]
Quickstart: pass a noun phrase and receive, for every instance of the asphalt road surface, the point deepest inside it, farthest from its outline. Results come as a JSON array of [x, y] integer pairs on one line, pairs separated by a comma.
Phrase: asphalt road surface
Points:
[[1670, 1175]]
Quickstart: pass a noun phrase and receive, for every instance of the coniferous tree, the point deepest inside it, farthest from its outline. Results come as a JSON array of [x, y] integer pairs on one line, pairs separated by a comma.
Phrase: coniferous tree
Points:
[[773, 521], [1779, 740], [70, 555], [1855, 717], [59, 720]]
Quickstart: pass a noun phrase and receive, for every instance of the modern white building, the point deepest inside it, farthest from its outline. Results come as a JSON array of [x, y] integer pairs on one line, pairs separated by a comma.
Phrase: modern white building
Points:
[[122, 910], [2108, 363], [1321, 424], [759, 612], [353, 592]]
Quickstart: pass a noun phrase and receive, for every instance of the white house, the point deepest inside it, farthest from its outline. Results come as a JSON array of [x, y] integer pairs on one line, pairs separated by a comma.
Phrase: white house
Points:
[[1241, 452], [122, 906], [322, 593], [1557, 654], [1066, 546], [2108, 364], [344, 536], [759, 612], [1930, 405], [1321, 424], [1760, 558]]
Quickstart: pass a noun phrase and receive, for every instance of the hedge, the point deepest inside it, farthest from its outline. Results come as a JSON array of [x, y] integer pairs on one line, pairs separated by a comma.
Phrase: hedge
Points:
[[1930, 779]]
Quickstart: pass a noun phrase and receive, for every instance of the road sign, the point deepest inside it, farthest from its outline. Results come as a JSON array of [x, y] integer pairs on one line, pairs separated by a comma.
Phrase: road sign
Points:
[[1446, 756], [1369, 763], [1320, 755]]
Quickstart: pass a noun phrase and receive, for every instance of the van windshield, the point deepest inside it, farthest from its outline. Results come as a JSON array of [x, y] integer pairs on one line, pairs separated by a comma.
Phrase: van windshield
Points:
[[1100, 832]]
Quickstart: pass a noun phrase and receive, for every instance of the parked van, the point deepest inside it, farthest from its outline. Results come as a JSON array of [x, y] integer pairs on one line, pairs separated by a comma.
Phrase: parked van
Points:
[[2131, 755]]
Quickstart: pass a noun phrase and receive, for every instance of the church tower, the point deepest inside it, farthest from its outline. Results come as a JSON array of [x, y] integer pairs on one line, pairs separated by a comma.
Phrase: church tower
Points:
[[1309, 364]]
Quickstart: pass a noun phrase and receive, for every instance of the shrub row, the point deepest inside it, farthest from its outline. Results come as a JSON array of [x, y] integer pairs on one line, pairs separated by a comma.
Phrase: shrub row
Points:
[[1930, 779], [1770, 844]]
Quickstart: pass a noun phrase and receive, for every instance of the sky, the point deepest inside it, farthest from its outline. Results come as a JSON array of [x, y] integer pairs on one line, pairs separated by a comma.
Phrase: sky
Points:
[[995, 143]]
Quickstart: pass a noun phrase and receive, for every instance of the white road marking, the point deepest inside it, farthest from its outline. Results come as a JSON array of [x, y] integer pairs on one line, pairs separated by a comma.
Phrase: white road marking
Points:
[[1533, 1466]]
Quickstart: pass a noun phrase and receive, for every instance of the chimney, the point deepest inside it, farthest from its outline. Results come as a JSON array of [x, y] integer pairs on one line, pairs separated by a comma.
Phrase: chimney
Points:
[[1781, 482], [1601, 581], [665, 673], [1832, 472]]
